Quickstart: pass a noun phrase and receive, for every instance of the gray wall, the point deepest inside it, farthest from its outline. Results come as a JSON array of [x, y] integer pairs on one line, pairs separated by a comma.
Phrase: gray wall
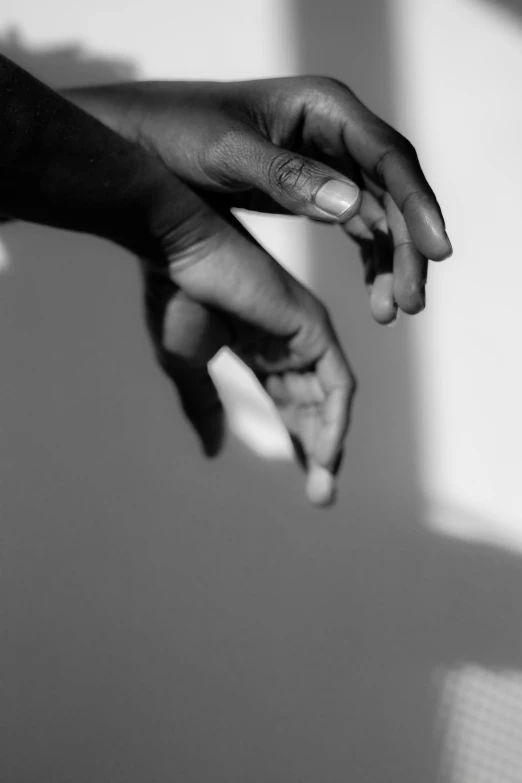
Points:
[[170, 619]]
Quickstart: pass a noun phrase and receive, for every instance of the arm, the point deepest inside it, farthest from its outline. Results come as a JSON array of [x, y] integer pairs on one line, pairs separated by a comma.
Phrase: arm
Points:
[[214, 284], [61, 167]]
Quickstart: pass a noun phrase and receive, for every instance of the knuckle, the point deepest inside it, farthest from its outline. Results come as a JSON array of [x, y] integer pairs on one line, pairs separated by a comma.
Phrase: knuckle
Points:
[[321, 83], [218, 156], [289, 173], [327, 94], [415, 198], [395, 146], [383, 159]]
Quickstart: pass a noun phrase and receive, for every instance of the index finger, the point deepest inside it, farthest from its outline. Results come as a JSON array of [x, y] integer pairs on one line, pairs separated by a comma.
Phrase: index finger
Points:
[[391, 160], [339, 385]]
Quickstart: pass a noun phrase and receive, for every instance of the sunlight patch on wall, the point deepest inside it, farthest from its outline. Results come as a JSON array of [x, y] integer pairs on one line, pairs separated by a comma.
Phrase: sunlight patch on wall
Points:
[[499, 530], [481, 722], [458, 104], [252, 416]]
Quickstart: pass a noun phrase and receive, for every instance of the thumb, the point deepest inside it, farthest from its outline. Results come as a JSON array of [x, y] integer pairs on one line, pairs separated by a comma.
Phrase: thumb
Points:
[[192, 335], [201, 404], [186, 336], [299, 184]]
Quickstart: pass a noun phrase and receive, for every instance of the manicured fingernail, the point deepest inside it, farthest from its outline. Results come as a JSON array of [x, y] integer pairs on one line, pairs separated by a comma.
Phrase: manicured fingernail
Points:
[[320, 486], [336, 197]]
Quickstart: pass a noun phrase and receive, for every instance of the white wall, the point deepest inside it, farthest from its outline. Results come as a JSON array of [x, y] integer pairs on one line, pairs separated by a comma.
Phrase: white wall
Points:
[[460, 66], [165, 618], [190, 41]]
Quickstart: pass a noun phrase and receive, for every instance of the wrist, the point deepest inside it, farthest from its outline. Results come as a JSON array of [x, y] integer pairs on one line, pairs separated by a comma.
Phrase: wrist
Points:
[[158, 202], [62, 167], [148, 192], [115, 105]]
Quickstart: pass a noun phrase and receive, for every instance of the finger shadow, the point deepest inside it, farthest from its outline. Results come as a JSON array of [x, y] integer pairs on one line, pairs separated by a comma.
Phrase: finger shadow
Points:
[[70, 65]]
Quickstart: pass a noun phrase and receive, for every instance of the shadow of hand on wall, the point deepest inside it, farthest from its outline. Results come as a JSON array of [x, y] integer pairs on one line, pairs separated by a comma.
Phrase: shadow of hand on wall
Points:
[[227, 624], [64, 66]]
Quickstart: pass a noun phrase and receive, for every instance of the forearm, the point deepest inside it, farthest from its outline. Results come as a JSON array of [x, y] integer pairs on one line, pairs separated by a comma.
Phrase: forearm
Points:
[[62, 167], [113, 105]]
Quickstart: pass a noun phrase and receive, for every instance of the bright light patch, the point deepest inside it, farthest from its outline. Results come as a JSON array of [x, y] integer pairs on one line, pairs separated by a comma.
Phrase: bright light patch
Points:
[[251, 414], [470, 525], [481, 725], [4, 257]]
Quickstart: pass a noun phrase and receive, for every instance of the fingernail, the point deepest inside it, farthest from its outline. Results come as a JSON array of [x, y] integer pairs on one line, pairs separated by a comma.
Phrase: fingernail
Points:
[[321, 488], [336, 197]]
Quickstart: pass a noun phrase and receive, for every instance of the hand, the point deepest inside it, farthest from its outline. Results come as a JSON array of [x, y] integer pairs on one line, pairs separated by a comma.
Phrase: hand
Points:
[[85, 177], [221, 288], [62, 167], [295, 145]]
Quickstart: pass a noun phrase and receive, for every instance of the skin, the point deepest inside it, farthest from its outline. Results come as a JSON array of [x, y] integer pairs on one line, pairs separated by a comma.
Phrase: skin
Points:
[[225, 289], [269, 145], [207, 282], [63, 168]]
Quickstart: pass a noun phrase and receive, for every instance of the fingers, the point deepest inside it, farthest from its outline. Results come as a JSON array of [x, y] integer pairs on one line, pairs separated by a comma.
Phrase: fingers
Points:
[[315, 406], [301, 401], [410, 266], [339, 385], [280, 328], [402, 177], [230, 271], [373, 237], [382, 301], [192, 335], [191, 332], [391, 160], [324, 434], [298, 184], [395, 269]]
